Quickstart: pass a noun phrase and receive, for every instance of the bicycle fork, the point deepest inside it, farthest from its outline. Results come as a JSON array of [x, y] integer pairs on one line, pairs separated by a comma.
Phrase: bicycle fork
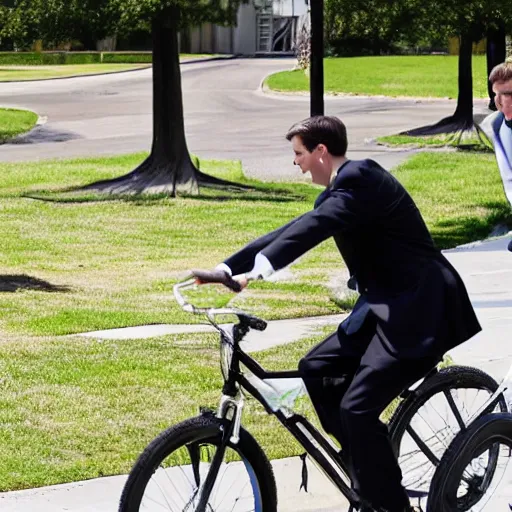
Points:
[[230, 408]]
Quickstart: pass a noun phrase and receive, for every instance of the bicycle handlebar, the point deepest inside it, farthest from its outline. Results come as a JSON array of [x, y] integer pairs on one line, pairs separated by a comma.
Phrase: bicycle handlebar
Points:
[[214, 277], [217, 276]]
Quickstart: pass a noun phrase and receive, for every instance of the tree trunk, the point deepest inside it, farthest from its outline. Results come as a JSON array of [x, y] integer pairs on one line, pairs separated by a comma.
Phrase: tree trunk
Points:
[[462, 118], [496, 54], [464, 111], [169, 168], [317, 58]]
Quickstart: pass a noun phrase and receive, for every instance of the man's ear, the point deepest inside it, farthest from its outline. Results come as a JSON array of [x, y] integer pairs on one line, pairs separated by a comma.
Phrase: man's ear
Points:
[[322, 148]]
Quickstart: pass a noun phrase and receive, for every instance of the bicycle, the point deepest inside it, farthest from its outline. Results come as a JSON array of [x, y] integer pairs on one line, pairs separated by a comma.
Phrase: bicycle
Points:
[[220, 464]]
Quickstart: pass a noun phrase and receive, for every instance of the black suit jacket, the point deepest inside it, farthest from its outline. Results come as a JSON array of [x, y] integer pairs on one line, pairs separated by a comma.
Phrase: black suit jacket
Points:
[[419, 299]]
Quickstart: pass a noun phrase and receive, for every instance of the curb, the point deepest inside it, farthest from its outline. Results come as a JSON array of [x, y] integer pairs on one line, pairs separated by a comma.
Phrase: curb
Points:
[[210, 59]]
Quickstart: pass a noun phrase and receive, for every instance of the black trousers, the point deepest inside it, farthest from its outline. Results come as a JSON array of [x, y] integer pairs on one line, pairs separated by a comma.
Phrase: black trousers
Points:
[[351, 379]]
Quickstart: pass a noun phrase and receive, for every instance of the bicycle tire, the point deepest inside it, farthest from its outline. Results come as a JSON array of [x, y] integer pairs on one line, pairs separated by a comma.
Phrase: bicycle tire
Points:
[[199, 431], [481, 436], [453, 378]]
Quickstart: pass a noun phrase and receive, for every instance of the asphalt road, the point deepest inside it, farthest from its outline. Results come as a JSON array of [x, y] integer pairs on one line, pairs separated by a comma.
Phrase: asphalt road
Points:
[[226, 116]]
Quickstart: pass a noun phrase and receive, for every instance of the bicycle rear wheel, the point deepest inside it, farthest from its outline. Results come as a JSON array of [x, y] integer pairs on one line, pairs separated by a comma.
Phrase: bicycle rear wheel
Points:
[[171, 473], [463, 482], [430, 417]]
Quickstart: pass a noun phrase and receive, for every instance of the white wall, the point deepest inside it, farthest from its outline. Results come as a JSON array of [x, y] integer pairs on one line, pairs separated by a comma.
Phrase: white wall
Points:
[[223, 39], [245, 32], [290, 7]]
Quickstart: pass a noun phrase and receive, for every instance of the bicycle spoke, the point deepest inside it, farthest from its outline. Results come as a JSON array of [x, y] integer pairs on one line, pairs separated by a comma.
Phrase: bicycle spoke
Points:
[[454, 409], [422, 446]]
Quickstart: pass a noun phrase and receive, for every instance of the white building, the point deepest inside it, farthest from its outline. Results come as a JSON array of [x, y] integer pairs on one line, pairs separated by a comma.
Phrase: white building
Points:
[[263, 26]]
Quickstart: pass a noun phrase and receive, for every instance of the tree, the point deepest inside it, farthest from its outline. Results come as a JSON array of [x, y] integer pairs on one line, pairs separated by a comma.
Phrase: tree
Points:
[[18, 24], [470, 20], [496, 53], [316, 75], [55, 21], [169, 168]]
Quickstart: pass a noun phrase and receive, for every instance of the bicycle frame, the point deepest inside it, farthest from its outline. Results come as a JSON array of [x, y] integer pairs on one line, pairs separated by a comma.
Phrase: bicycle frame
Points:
[[321, 449]]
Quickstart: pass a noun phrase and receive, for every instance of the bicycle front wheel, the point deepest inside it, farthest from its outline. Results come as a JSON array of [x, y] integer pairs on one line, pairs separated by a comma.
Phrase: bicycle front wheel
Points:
[[463, 481], [171, 473]]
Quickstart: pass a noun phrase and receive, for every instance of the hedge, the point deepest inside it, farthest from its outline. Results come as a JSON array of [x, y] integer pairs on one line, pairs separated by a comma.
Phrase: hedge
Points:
[[60, 58], [127, 58]]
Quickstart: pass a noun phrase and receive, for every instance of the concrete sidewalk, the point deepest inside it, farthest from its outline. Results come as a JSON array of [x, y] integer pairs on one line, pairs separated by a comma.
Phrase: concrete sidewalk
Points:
[[486, 268]]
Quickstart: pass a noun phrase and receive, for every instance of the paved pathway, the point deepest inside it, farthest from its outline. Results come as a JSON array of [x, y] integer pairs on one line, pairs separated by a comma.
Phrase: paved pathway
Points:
[[226, 116]]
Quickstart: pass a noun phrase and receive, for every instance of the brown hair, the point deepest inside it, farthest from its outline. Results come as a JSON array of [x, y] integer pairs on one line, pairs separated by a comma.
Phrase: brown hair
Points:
[[327, 130], [502, 72]]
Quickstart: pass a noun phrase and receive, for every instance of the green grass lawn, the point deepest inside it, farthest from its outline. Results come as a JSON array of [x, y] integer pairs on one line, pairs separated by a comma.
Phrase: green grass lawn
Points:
[[16, 73], [422, 76], [20, 73], [112, 263], [442, 140], [15, 122], [75, 408], [116, 260]]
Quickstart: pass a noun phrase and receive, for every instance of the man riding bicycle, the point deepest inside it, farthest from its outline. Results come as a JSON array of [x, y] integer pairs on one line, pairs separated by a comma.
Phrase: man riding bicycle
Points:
[[413, 306]]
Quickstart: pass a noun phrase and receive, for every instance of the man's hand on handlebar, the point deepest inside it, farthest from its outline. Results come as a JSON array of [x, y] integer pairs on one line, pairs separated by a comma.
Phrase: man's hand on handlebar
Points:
[[222, 277]]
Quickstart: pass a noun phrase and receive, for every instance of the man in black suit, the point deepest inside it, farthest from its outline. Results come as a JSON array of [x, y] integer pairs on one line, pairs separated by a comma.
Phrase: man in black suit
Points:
[[412, 308]]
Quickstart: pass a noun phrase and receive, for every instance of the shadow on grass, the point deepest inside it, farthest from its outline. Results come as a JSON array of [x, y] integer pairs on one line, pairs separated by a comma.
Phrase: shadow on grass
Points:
[[449, 233], [256, 193], [13, 283]]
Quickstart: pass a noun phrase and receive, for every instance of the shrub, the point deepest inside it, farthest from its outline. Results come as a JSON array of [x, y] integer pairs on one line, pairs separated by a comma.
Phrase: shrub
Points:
[[127, 57], [63, 57], [20, 58], [82, 58]]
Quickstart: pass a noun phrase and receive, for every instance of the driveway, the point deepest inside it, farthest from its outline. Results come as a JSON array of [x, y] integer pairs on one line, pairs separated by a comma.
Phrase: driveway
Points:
[[226, 116]]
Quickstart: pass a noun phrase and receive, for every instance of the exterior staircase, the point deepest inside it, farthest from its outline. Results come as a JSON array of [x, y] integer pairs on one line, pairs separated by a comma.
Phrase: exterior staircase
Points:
[[265, 25]]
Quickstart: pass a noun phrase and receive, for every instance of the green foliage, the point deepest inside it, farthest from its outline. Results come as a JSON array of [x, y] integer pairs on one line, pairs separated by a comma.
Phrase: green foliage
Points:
[[380, 26], [368, 26], [127, 58], [20, 59], [61, 58], [470, 17], [57, 21]]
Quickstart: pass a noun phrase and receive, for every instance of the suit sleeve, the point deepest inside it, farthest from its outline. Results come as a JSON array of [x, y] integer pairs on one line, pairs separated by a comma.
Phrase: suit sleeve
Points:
[[243, 260], [340, 213]]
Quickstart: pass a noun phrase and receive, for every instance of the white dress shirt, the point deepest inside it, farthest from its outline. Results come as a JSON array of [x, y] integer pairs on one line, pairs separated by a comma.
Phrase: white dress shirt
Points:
[[261, 270]]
